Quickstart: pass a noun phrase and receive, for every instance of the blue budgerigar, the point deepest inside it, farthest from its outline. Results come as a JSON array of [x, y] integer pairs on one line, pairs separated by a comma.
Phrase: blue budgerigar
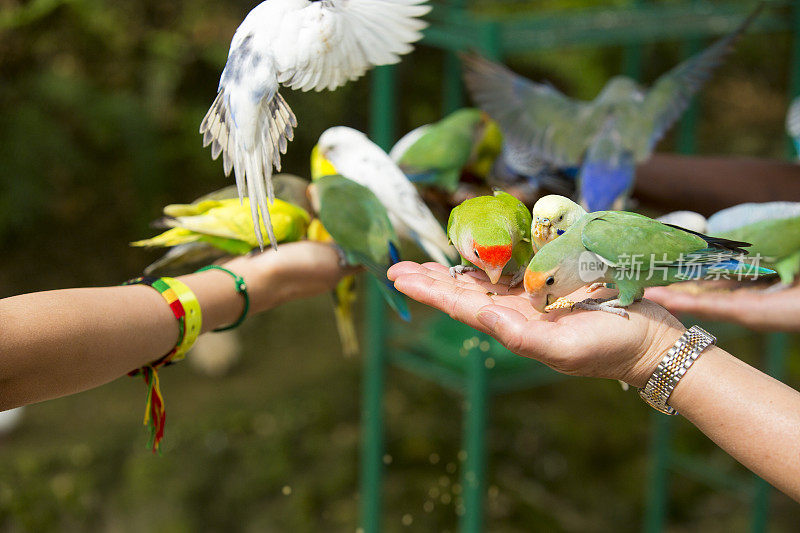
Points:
[[607, 136]]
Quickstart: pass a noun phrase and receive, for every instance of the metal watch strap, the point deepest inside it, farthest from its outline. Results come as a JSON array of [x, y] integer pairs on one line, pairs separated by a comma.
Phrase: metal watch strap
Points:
[[673, 366]]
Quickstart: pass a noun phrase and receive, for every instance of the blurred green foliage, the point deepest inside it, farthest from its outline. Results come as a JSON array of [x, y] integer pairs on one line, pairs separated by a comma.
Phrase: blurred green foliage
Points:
[[100, 103]]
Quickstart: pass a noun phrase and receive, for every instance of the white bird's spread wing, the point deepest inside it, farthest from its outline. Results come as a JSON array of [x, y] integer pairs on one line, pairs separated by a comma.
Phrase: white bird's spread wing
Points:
[[330, 42]]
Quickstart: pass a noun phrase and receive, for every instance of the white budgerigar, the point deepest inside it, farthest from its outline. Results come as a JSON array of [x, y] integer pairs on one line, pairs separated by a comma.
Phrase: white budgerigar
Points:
[[304, 45], [353, 155]]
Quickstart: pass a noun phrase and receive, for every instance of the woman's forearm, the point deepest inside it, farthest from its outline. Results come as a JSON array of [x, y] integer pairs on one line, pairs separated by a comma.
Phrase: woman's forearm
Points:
[[60, 342], [753, 417]]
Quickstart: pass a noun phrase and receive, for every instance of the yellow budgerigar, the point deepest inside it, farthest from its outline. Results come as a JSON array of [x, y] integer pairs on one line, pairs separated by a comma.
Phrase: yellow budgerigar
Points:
[[221, 225]]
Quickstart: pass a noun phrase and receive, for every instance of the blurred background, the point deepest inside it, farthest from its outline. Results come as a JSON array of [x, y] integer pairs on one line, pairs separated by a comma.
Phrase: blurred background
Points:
[[100, 104]]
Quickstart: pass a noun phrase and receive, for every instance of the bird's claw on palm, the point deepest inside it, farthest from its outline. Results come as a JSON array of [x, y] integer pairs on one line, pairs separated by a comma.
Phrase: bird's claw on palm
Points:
[[594, 286], [460, 269], [343, 263], [607, 305]]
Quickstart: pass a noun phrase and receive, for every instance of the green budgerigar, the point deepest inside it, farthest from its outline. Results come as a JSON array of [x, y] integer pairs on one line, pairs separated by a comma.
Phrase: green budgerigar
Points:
[[633, 252], [360, 226], [493, 234], [439, 152]]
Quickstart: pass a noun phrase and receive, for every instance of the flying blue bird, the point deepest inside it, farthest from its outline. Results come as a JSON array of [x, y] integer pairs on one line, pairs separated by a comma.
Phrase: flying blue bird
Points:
[[304, 45], [606, 137]]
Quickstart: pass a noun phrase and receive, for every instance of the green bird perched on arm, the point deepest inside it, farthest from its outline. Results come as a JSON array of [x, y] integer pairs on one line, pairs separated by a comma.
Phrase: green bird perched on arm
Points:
[[466, 137], [631, 251], [489, 232], [360, 226]]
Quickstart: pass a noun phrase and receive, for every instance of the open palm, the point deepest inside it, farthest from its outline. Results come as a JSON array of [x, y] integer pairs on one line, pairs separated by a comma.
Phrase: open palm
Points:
[[586, 343]]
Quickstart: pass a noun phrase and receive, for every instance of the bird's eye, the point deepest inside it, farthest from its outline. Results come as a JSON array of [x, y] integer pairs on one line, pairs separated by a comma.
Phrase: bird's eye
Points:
[[560, 218], [550, 280], [476, 254]]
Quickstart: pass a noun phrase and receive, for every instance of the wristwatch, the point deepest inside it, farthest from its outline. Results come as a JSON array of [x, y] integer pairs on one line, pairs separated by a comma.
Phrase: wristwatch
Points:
[[673, 366]]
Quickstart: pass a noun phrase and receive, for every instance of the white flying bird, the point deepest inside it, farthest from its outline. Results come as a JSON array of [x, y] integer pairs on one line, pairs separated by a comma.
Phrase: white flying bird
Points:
[[304, 45]]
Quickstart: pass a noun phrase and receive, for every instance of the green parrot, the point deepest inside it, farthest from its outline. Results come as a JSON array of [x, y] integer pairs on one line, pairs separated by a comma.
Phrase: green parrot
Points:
[[489, 232], [772, 227], [436, 154], [633, 252], [360, 226]]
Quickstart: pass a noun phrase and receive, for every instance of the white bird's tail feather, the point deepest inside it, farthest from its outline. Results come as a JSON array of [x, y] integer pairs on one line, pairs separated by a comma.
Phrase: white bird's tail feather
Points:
[[251, 166]]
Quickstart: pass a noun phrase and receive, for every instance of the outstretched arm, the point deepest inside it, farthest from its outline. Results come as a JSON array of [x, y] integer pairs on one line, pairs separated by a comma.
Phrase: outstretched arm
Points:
[[755, 309], [752, 416], [55, 343]]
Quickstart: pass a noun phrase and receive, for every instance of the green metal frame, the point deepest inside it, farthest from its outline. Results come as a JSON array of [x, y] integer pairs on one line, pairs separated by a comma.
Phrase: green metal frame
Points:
[[454, 27]]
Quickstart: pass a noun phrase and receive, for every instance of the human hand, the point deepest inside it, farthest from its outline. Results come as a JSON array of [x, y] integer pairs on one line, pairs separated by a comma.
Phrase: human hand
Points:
[[583, 343], [753, 308], [296, 270]]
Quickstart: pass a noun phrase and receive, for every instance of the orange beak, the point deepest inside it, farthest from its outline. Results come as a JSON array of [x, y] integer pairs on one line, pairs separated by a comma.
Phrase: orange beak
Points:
[[494, 274], [534, 287]]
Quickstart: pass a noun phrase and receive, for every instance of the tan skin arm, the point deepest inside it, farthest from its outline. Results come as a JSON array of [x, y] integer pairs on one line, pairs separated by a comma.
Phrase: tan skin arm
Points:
[[60, 342], [753, 308], [753, 417]]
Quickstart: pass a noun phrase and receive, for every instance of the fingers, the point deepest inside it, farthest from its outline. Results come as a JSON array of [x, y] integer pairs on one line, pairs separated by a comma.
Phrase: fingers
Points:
[[458, 301], [404, 267]]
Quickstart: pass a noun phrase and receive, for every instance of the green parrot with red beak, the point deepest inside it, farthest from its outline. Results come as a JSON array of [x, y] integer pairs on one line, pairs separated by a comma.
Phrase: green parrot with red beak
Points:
[[493, 234]]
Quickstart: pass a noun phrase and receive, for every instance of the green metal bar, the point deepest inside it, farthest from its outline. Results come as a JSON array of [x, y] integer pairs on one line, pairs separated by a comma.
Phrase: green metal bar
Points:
[[491, 37], [452, 88], [651, 23], [382, 121], [776, 350], [632, 54], [658, 491], [473, 475], [473, 472], [383, 98], [687, 130]]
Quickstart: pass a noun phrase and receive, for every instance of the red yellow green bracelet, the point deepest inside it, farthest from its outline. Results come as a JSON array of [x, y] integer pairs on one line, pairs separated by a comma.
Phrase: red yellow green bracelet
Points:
[[183, 304]]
